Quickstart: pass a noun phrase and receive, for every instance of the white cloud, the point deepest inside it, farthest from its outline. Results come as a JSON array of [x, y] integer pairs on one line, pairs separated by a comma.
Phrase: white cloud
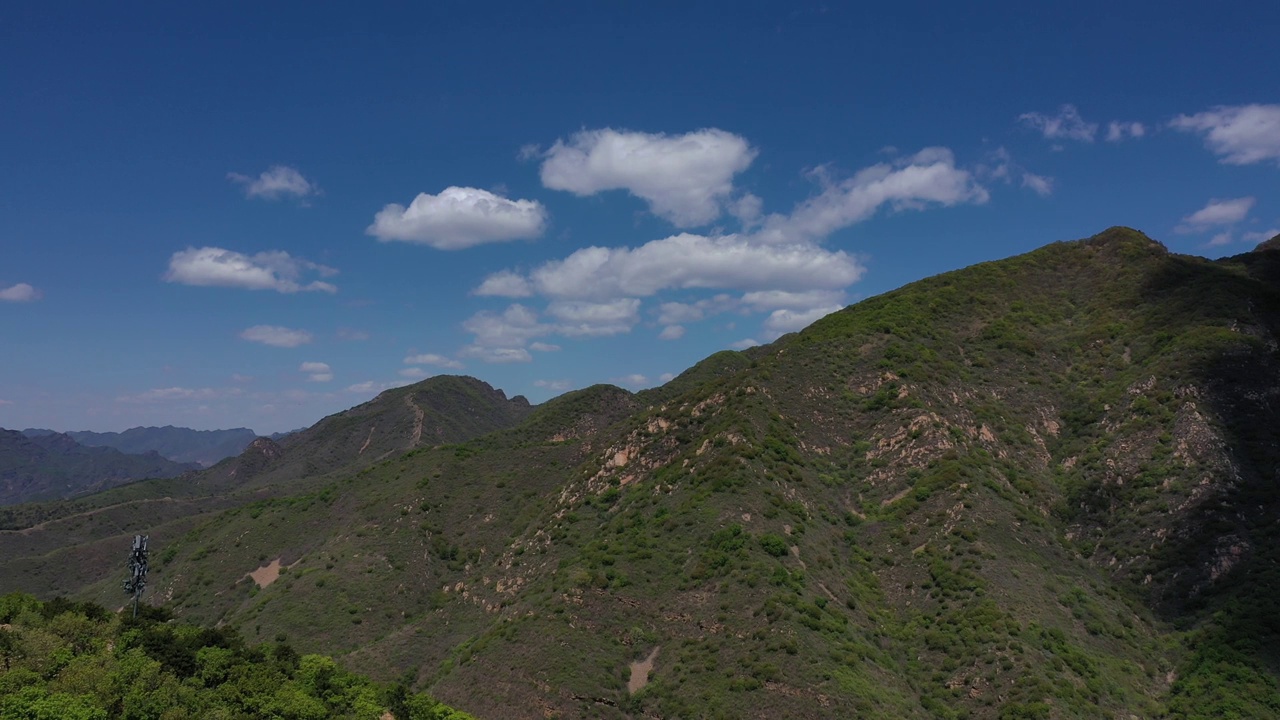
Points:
[[352, 335], [1117, 131], [1217, 212], [677, 313], [776, 299], [497, 355], [371, 386], [433, 359], [1040, 184], [5, 402], [272, 270], [666, 377], [316, 371], [784, 321], [912, 183], [1240, 134], [1000, 166], [748, 209], [584, 318], [553, 385], [782, 256], [504, 284], [686, 179], [781, 267], [276, 182], [1222, 238], [1065, 125], [692, 261], [21, 292], [744, 343], [634, 380], [276, 336], [238, 378], [459, 217], [514, 327], [414, 372], [171, 394], [672, 313], [1257, 237], [512, 330]]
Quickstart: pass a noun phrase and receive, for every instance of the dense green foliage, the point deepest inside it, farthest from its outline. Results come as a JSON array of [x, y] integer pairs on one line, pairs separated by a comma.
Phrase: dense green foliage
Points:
[[63, 660]]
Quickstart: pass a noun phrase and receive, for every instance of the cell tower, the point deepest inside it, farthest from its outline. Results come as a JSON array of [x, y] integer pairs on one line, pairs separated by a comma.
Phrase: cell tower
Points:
[[137, 581]]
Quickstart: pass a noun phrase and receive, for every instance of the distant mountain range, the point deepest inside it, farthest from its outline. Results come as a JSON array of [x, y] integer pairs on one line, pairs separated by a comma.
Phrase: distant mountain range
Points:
[[53, 465], [179, 444]]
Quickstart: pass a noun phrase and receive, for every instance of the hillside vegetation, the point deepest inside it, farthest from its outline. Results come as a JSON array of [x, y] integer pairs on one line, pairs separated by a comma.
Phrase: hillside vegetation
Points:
[[62, 660], [1043, 487]]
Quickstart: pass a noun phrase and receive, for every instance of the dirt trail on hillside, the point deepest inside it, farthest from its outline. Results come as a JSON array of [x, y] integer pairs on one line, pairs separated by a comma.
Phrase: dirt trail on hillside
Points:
[[87, 513], [418, 417], [795, 552], [640, 672]]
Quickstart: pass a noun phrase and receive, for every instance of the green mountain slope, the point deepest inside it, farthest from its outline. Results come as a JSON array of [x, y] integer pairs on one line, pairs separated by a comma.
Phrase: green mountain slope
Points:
[[56, 466], [442, 409], [53, 548], [1035, 488]]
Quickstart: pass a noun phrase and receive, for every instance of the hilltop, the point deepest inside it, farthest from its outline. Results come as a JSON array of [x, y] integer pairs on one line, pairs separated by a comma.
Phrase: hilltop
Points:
[[1042, 487]]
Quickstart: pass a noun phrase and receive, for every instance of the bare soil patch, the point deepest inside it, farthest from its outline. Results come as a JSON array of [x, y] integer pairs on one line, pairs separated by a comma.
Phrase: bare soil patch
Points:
[[266, 574], [640, 672]]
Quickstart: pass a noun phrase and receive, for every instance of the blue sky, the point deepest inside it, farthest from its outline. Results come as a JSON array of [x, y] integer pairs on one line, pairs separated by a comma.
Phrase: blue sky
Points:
[[259, 215]]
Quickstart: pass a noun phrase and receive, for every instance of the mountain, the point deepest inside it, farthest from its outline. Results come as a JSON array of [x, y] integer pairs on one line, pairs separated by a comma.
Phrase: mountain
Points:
[[58, 548], [183, 445], [439, 410], [1043, 487], [54, 465]]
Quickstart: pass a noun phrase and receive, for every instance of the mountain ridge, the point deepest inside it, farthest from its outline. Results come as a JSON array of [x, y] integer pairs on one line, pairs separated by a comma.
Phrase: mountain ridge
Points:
[[179, 444]]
